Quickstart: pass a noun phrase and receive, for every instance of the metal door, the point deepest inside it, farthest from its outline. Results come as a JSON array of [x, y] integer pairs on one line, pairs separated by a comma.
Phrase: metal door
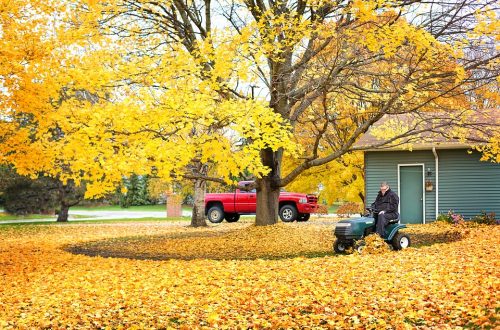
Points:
[[411, 193]]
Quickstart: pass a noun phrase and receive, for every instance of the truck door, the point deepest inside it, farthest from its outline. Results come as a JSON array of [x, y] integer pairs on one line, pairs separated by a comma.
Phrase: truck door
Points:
[[245, 201]]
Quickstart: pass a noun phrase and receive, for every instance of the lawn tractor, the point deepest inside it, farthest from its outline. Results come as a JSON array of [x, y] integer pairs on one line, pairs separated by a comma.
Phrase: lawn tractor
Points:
[[350, 233]]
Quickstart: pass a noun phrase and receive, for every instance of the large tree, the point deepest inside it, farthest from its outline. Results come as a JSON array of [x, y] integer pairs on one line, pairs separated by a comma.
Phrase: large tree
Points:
[[362, 60]]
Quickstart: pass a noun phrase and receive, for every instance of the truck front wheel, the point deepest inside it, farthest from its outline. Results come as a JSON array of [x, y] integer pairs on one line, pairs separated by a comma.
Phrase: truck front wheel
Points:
[[288, 213], [215, 214]]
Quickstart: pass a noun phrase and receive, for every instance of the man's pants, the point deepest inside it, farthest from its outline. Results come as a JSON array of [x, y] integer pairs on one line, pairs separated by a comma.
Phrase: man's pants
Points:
[[382, 221]]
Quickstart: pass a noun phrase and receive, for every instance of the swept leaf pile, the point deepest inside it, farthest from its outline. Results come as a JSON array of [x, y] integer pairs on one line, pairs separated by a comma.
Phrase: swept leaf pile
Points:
[[374, 244], [286, 277]]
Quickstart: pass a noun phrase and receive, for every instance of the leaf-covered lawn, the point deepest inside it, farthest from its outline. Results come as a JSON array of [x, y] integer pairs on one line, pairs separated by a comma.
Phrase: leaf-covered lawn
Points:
[[282, 276]]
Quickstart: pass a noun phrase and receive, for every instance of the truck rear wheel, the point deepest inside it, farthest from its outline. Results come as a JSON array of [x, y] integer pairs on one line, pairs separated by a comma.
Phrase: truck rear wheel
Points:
[[304, 216], [232, 217], [288, 213], [215, 214]]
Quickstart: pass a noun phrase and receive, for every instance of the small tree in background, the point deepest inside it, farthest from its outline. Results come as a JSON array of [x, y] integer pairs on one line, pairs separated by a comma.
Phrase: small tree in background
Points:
[[136, 191]]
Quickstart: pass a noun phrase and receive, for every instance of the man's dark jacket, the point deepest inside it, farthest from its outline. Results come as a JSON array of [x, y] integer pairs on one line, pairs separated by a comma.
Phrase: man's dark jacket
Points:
[[388, 203]]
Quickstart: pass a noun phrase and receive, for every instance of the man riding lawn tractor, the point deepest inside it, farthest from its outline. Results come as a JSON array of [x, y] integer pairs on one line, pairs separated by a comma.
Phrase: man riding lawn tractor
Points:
[[383, 218]]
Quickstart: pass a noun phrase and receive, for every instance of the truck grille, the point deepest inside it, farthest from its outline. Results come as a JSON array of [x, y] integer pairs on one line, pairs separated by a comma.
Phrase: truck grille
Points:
[[312, 199]]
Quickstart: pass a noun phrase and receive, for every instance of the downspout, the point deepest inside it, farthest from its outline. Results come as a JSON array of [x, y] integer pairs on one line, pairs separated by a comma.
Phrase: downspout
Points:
[[436, 160]]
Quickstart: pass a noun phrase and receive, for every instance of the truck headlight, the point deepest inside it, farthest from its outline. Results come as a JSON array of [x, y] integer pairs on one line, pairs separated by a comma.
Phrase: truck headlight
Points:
[[343, 225], [303, 200]]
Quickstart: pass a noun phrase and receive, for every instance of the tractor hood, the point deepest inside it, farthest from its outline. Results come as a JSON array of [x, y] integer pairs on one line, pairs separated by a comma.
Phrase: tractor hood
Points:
[[356, 221], [353, 228]]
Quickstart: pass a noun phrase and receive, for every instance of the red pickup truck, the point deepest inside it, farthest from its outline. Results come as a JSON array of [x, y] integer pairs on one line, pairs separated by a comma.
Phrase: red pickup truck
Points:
[[229, 206]]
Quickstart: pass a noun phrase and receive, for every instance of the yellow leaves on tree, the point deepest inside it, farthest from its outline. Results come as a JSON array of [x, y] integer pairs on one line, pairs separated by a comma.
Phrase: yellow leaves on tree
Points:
[[339, 180], [110, 111]]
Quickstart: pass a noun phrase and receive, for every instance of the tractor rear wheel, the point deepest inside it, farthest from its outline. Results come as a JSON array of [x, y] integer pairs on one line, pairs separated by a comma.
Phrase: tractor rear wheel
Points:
[[400, 241]]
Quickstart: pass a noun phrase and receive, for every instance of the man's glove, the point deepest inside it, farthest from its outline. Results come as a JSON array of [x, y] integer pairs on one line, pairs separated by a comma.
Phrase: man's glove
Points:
[[381, 212]]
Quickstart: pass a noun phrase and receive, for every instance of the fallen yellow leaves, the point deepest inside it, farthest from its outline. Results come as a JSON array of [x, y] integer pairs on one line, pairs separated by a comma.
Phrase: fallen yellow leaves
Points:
[[452, 283]]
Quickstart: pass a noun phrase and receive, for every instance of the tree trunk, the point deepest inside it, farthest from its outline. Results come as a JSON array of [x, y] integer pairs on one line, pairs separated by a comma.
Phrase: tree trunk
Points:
[[63, 213], [198, 216], [267, 202], [69, 195], [268, 191], [362, 196]]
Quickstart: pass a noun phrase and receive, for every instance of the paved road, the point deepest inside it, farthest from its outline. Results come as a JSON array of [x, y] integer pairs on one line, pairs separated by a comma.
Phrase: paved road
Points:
[[100, 215]]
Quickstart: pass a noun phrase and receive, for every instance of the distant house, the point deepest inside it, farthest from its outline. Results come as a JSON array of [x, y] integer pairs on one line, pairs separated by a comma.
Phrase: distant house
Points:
[[433, 178]]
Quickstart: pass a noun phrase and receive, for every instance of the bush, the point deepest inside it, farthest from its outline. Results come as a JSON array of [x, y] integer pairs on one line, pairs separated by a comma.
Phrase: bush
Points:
[[31, 197], [451, 217], [485, 218], [322, 209], [456, 219], [350, 208], [444, 218]]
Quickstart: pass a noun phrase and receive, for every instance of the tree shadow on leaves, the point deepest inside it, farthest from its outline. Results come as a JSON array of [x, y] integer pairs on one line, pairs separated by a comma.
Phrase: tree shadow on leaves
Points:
[[232, 245]]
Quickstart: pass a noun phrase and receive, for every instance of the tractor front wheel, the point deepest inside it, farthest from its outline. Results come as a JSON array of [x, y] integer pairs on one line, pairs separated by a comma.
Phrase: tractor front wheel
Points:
[[340, 247], [400, 241], [360, 245]]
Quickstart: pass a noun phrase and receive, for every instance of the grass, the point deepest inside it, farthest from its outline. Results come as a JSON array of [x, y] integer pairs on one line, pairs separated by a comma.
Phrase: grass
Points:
[[6, 216], [114, 208], [142, 208], [333, 208]]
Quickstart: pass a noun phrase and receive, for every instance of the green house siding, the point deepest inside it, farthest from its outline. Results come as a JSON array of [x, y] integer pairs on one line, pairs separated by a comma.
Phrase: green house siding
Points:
[[383, 166], [466, 185]]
